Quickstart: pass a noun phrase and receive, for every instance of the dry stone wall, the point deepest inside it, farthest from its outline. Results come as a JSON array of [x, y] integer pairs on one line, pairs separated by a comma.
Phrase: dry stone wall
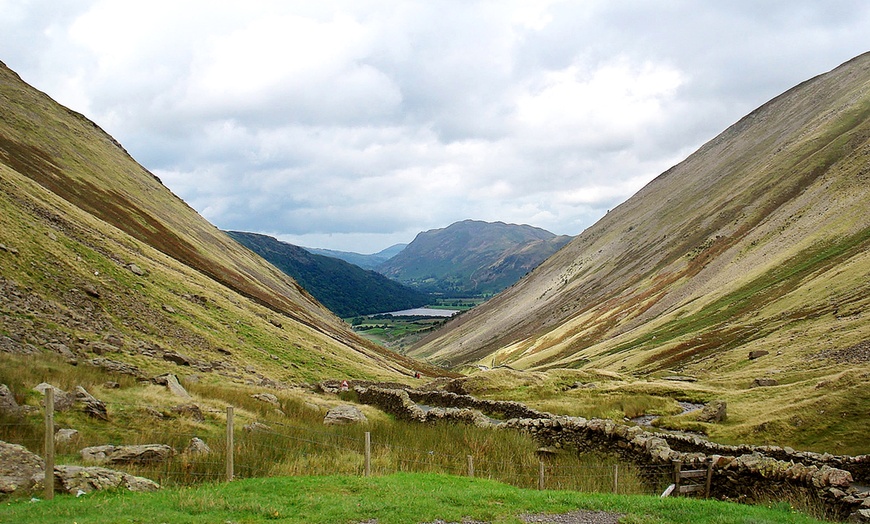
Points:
[[742, 473]]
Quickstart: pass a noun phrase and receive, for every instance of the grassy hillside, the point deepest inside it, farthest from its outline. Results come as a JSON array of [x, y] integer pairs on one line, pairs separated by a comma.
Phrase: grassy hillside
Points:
[[95, 247], [471, 257], [756, 242], [347, 290]]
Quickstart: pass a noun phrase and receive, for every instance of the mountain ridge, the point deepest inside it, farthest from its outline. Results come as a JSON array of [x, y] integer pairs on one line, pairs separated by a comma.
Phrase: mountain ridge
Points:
[[471, 257]]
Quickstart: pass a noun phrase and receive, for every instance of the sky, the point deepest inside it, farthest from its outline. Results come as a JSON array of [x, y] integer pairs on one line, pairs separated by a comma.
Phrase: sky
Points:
[[355, 125]]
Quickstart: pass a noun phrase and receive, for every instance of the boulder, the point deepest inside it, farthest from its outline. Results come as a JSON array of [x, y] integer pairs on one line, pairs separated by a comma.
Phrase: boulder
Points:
[[267, 397], [90, 405], [136, 270], [197, 447], [8, 405], [65, 435], [715, 411], [138, 454], [76, 479], [18, 468], [764, 382], [344, 414], [757, 354], [62, 400], [171, 381]]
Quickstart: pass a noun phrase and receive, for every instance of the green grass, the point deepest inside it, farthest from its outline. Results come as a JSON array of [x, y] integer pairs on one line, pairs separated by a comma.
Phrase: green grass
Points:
[[394, 499]]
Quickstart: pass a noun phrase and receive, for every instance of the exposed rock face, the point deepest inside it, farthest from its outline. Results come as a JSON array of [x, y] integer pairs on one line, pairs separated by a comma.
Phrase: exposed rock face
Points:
[[72, 479], [344, 414], [140, 454], [115, 366], [715, 411], [18, 468], [757, 354]]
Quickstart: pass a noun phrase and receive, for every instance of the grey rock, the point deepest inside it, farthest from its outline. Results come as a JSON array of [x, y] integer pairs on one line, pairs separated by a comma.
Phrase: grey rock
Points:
[[18, 467], [136, 270], [197, 447], [138, 454], [171, 381], [8, 405], [65, 435], [344, 414], [764, 382], [715, 411], [757, 354], [267, 397], [75, 479], [90, 405], [62, 400]]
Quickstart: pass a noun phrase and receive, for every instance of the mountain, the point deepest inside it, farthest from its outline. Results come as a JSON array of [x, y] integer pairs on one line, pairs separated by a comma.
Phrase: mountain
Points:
[[94, 247], [344, 288], [364, 261], [471, 257], [757, 242]]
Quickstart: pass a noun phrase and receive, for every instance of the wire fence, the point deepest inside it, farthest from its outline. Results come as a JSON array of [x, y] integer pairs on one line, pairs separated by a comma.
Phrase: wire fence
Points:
[[268, 447]]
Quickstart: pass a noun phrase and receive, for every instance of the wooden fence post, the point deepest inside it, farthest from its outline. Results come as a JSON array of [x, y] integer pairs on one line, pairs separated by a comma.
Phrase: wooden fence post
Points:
[[470, 466], [709, 477], [616, 478], [230, 444], [49, 443], [368, 453], [678, 465], [540, 474]]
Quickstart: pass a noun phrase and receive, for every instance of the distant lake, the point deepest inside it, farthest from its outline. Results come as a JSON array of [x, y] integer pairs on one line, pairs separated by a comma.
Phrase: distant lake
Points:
[[423, 312]]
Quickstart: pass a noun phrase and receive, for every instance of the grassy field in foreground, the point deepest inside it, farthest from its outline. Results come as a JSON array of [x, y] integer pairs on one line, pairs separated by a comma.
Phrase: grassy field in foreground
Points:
[[395, 499]]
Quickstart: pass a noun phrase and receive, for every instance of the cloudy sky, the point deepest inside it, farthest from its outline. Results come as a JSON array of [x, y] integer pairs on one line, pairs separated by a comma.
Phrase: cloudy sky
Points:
[[355, 125]]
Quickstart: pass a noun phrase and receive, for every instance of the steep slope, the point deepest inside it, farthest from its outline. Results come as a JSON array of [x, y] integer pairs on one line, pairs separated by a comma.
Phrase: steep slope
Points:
[[471, 257], [364, 261], [757, 241], [95, 245], [344, 288]]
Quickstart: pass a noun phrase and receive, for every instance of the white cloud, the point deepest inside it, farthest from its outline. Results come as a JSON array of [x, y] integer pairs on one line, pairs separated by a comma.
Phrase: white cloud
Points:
[[357, 124]]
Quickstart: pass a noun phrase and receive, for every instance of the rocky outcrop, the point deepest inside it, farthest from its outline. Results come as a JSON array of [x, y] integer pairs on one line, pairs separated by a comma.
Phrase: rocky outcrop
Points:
[[138, 454], [81, 479], [22, 471]]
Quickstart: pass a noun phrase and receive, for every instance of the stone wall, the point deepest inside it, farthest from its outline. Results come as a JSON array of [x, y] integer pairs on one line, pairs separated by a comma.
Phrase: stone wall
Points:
[[741, 473]]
